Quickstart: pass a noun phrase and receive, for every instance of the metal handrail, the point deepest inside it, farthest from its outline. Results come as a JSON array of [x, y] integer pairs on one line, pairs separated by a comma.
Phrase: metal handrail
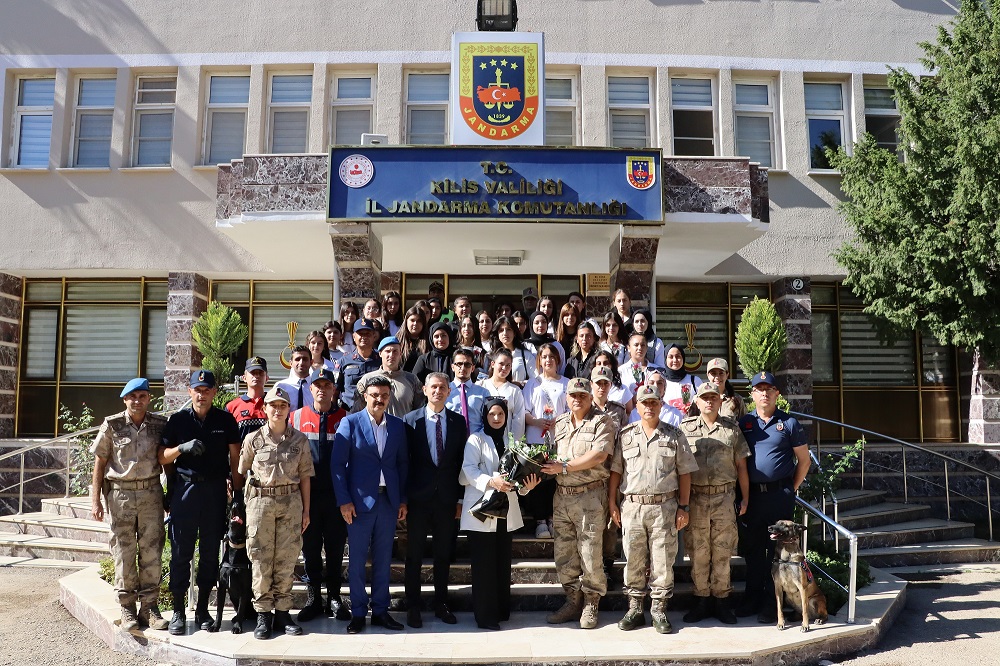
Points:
[[69, 439], [852, 538], [909, 445]]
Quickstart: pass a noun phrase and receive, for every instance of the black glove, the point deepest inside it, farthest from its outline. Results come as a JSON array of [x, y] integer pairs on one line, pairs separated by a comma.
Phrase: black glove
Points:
[[195, 447]]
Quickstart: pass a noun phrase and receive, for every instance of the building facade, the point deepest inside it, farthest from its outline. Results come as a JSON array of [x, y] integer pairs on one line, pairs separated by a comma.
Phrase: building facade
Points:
[[154, 157]]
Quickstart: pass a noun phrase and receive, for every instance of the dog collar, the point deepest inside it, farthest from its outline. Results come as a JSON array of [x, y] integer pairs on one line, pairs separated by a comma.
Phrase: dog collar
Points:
[[236, 545]]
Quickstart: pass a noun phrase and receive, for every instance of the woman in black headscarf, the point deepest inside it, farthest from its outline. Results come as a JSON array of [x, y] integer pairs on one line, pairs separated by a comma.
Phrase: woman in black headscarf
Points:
[[438, 359], [490, 540], [681, 385], [642, 322], [538, 335]]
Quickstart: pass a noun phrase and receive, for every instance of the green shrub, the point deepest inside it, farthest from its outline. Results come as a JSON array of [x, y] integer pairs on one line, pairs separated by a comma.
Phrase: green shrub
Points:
[[81, 460], [106, 570], [838, 566]]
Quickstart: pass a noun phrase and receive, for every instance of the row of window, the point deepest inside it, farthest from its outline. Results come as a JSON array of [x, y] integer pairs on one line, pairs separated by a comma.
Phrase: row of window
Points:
[[694, 109]]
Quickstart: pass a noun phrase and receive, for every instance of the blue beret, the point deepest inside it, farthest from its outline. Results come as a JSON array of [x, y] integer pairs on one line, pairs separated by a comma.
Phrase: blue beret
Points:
[[137, 384], [391, 340]]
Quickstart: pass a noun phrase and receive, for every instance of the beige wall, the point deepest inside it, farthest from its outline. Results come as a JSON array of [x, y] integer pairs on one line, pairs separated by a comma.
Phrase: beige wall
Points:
[[149, 221]]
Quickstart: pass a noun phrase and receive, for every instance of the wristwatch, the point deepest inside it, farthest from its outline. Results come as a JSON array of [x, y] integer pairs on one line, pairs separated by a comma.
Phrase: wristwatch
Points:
[[565, 467], [685, 507]]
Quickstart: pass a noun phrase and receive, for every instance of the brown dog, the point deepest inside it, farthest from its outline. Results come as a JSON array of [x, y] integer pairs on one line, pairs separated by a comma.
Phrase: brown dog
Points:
[[792, 576]]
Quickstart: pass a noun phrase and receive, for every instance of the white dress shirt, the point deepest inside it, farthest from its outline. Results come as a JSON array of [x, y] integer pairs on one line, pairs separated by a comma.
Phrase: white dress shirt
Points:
[[430, 421]]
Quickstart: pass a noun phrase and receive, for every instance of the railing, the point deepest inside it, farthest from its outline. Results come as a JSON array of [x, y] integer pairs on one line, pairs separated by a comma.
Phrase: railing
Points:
[[66, 470], [852, 585], [904, 447]]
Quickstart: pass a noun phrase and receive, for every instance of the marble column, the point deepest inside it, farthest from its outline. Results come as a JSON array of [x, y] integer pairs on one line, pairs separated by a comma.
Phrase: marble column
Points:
[[391, 281], [793, 301], [984, 403], [11, 291], [633, 264], [186, 300], [358, 252]]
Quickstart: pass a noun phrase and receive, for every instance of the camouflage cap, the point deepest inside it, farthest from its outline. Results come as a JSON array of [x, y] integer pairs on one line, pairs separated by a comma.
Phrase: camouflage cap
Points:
[[647, 392], [578, 385]]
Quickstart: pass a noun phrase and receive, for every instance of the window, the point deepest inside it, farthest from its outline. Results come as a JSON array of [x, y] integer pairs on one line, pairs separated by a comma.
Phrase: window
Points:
[[427, 109], [353, 107], [754, 108], [560, 111], [629, 111], [291, 97], [693, 116], [154, 120], [95, 105], [225, 126], [882, 118], [826, 119], [33, 122]]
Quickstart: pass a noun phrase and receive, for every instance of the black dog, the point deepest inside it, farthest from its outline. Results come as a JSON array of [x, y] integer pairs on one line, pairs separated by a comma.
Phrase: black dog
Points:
[[235, 574]]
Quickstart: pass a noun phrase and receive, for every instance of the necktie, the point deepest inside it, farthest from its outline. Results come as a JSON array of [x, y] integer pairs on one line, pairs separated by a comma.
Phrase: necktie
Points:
[[439, 436], [465, 407], [301, 382]]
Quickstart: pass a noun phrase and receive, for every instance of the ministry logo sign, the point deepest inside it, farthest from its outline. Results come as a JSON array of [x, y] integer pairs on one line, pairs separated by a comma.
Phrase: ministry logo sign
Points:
[[498, 88]]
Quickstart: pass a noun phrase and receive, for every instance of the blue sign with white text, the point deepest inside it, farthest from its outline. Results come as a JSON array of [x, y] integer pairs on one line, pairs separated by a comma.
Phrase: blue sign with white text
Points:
[[485, 184]]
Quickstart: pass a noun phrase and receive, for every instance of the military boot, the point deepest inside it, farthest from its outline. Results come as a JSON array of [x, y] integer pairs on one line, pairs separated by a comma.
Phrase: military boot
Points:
[[659, 613], [701, 610], [314, 605], [263, 630], [178, 623], [723, 612], [283, 622], [129, 619], [570, 610], [149, 616], [202, 618], [634, 617], [588, 617]]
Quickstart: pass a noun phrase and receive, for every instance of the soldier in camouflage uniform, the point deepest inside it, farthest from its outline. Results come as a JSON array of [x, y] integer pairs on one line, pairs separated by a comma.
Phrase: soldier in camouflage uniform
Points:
[[733, 405], [721, 452], [127, 473], [653, 467], [583, 438], [279, 461], [600, 383]]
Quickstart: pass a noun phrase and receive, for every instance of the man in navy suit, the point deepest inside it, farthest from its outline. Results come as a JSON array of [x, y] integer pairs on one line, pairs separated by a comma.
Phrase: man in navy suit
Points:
[[369, 465], [437, 446]]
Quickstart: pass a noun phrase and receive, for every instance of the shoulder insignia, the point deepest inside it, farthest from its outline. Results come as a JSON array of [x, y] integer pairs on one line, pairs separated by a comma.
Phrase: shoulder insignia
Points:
[[780, 426]]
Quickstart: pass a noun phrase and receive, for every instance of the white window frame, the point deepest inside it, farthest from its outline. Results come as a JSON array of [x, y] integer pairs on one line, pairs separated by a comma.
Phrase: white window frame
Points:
[[885, 113], [211, 108], [430, 105], [827, 114], [769, 111], [141, 108], [625, 109], [351, 103], [711, 108], [273, 107], [572, 104], [81, 110], [23, 111]]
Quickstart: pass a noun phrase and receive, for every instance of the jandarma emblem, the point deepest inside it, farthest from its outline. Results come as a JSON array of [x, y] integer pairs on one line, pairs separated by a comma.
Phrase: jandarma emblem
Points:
[[641, 172], [498, 88]]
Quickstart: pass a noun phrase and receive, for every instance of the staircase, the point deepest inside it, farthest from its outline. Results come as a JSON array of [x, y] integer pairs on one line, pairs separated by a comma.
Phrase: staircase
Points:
[[62, 533]]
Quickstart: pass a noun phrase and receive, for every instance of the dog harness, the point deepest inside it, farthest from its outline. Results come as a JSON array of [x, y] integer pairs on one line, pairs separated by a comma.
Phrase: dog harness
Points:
[[801, 565]]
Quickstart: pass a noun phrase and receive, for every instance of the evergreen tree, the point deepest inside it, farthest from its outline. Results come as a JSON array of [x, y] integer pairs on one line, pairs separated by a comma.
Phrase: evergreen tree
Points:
[[219, 333], [926, 236], [761, 339]]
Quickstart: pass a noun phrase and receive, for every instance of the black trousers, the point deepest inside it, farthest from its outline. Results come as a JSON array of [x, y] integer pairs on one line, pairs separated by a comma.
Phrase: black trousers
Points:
[[435, 519], [327, 532], [539, 501], [764, 510], [491, 555], [197, 514]]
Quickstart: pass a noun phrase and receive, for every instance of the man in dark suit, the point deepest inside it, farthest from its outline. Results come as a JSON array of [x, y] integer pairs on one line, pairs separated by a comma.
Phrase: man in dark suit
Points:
[[437, 446], [369, 465]]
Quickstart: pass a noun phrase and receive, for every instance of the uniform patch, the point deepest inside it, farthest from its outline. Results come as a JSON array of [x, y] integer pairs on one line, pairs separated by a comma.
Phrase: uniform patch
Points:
[[245, 413], [498, 88], [780, 426], [641, 172]]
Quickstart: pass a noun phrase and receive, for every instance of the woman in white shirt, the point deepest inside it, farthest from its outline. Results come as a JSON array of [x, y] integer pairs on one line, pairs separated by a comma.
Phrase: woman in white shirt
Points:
[[490, 541], [544, 400], [681, 384], [499, 384], [505, 336], [392, 311], [618, 392], [612, 334], [334, 337]]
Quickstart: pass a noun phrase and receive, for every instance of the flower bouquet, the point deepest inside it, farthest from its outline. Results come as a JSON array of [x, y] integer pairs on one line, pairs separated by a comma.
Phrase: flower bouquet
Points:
[[518, 461]]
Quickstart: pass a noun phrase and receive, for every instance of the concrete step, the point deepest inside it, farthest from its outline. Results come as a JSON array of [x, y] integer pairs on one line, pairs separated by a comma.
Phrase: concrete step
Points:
[[77, 507], [53, 525], [942, 552], [41, 562], [921, 531], [850, 498], [886, 513], [30, 545]]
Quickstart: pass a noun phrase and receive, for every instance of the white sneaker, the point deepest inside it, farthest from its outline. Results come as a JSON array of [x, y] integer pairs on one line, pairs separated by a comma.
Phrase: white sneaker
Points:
[[542, 531]]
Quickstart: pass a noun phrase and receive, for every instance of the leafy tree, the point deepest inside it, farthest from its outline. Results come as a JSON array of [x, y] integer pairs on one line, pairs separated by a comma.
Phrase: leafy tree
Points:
[[926, 236], [760, 338], [219, 333]]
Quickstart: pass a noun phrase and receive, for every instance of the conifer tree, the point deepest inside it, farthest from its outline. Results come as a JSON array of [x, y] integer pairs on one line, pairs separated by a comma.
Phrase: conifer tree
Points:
[[761, 339], [219, 333]]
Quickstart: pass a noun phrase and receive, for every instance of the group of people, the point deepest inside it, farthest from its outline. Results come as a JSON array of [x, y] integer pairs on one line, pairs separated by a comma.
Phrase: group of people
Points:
[[397, 427]]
